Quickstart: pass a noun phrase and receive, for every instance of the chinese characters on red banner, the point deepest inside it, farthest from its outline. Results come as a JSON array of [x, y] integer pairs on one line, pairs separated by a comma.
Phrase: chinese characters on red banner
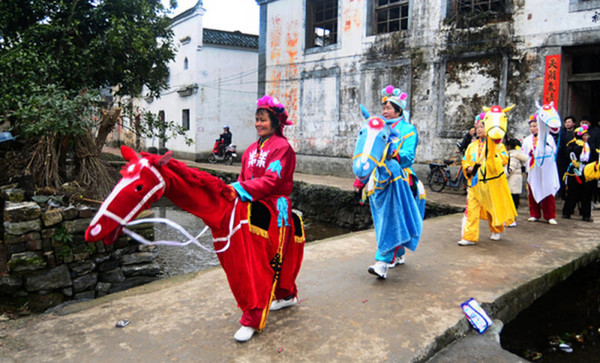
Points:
[[552, 79]]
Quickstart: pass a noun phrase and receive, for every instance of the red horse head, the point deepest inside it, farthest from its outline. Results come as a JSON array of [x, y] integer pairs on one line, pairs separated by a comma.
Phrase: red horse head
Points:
[[141, 185]]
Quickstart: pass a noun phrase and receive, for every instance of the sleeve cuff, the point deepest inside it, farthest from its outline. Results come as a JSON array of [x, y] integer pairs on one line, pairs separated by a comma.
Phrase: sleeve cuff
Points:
[[244, 196]]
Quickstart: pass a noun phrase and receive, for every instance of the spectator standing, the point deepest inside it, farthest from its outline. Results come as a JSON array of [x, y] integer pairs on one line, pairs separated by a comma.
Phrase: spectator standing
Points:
[[562, 158], [517, 160]]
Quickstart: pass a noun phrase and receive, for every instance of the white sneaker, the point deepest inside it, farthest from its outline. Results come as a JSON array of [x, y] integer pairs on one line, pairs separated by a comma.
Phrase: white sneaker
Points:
[[464, 242], [552, 221], [244, 334], [379, 269], [283, 303], [532, 219], [398, 260], [513, 224], [495, 237]]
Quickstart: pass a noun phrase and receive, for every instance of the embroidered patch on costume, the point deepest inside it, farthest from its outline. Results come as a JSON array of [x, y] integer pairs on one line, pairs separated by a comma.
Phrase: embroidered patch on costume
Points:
[[275, 167], [258, 158]]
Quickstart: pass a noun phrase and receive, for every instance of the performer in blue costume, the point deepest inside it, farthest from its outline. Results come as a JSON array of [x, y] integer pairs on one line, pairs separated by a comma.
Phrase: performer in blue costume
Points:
[[396, 197]]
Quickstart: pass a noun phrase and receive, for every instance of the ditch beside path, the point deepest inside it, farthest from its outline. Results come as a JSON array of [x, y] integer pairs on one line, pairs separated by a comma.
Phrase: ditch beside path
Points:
[[344, 313]]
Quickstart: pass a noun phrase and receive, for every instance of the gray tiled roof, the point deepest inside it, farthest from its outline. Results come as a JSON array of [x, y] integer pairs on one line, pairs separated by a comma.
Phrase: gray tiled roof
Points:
[[236, 38]]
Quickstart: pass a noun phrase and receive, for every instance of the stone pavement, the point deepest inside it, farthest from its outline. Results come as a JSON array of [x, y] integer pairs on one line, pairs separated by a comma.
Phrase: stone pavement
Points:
[[344, 313]]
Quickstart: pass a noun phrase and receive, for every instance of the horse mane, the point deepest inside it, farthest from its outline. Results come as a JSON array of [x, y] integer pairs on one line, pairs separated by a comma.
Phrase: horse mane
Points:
[[189, 174]]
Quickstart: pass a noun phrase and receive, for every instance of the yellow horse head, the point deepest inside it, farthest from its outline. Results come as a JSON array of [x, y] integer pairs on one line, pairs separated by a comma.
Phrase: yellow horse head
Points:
[[495, 122]]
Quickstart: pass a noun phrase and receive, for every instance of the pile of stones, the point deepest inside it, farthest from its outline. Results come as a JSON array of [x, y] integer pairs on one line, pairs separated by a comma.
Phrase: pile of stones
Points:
[[45, 261]]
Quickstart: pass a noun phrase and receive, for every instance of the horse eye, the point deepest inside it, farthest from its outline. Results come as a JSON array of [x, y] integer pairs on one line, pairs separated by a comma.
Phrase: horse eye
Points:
[[139, 188], [384, 137]]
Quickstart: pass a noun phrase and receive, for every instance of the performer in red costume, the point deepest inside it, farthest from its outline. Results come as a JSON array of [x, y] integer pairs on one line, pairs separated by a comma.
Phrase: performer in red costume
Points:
[[267, 176]]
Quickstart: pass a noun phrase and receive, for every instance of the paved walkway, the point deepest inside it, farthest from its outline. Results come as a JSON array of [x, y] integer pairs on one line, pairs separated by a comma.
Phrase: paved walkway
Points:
[[344, 314]]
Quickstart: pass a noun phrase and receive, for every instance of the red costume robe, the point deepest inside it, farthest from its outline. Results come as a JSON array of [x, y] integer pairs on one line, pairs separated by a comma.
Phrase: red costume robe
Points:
[[261, 272]]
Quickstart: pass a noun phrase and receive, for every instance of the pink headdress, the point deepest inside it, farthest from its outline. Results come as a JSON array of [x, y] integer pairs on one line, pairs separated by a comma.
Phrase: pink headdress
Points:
[[581, 130], [479, 117], [273, 105], [394, 95]]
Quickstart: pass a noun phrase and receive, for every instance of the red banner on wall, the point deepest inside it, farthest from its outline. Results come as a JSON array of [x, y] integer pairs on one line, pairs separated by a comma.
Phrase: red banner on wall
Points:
[[552, 79]]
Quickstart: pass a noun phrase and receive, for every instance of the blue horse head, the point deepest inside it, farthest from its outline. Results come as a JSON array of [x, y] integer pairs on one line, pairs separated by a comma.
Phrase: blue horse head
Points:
[[371, 146]]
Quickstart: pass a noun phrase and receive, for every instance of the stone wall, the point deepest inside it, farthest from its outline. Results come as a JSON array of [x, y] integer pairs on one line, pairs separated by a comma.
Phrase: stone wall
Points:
[[45, 261]]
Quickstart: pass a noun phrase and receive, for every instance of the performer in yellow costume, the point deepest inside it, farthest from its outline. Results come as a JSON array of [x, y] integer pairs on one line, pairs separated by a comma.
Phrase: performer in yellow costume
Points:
[[483, 164]]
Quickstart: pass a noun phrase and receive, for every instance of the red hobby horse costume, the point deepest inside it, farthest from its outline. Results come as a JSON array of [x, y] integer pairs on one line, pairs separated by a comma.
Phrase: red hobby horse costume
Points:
[[261, 251]]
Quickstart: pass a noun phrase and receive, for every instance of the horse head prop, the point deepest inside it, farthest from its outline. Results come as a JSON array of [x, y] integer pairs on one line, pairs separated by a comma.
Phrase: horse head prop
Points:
[[141, 185], [371, 145], [495, 122], [547, 118]]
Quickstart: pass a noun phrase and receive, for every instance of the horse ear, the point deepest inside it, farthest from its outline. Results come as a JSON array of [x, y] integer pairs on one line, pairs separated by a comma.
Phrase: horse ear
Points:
[[552, 104], [165, 158], [364, 111], [537, 104], [508, 108], [485, 109], [128, 154]]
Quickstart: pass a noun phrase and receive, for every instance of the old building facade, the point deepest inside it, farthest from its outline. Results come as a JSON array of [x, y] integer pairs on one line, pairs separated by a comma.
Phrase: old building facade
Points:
[[212, 83], [323, 58]]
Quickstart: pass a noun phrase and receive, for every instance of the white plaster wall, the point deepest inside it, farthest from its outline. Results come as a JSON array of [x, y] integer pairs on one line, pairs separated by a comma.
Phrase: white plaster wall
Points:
[[226, 93], [536, 20]]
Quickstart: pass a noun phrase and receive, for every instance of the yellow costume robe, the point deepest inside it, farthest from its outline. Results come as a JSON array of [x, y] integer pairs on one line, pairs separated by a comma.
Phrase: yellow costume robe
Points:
[[489, 196]]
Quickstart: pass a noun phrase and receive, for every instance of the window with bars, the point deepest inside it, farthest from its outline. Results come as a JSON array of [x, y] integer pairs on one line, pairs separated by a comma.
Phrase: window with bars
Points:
[[322, 23], [185, 119], [478, 6], [390, 15]]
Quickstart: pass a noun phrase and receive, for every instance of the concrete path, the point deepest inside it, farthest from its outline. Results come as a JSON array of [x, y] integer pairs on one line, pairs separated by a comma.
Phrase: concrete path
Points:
[[344, 314]]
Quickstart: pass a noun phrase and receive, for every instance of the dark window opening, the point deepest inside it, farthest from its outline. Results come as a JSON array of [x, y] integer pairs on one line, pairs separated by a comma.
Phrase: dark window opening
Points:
[[185, 63], [322, 22], [185, 119], [478, 6], [390, 15], [585, 63]]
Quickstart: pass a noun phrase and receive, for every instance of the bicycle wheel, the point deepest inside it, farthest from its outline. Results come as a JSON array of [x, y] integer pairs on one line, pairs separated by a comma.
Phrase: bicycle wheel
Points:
[[436, 180]]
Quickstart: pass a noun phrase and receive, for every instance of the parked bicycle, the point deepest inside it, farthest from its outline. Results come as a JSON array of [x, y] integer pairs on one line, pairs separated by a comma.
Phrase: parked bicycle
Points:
[[440, 177]]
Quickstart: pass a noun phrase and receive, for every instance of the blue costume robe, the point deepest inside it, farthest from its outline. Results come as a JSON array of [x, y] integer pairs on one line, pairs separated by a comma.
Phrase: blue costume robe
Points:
[[397, 212]]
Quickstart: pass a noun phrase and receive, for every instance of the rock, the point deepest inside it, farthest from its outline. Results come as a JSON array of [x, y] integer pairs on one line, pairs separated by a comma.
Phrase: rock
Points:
[[98, 259], [85, 282], [86, 295], [113, 276], [47, 233], [86, 212], [82, 268], [56, 278], [15, 195], [77, 225], [16, 248], [34, 245], [24, 238], [21, 212], [68, 291], [82, 251], [69, 213], [49, 256], [26, 261], [147, 248], [108, 265], [145, 269], [10, 284], [132, 282], [52, 217], [102, 288], [19, 228], [139, 257]]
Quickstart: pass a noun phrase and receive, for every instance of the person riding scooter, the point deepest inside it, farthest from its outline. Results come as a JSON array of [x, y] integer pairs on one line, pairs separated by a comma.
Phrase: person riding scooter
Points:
[[224, 140]]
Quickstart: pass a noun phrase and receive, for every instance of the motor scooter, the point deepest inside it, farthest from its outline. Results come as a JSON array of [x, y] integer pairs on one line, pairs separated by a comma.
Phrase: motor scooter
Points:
[[228, 154]]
